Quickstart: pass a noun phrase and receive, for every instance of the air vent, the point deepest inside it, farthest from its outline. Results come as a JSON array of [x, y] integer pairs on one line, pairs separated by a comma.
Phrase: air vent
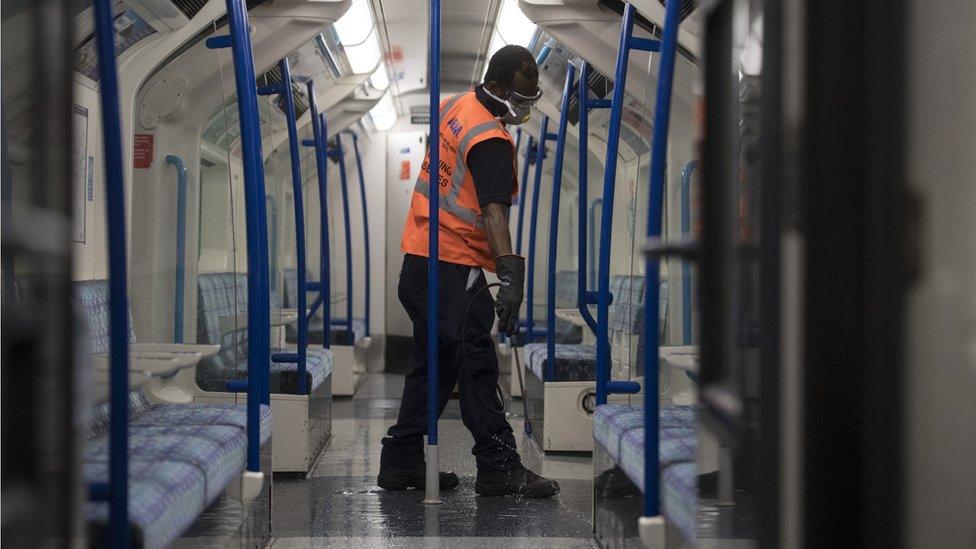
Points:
[[687, 6], [190, 7], [600, 87]]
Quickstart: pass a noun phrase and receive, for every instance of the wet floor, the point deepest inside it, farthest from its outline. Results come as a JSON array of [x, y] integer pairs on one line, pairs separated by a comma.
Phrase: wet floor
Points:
[[339, 504]]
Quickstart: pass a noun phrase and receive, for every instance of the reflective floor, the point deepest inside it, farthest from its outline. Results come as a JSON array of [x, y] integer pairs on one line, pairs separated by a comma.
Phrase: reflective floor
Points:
[[339, 505]]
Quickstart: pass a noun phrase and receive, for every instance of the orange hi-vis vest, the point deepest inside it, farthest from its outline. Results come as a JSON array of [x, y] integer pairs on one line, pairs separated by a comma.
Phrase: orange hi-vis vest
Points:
[[465, 122]]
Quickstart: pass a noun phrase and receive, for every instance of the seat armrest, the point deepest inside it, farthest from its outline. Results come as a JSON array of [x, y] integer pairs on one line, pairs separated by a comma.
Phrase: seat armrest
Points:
[[681, 357], [204, 350], [149, 362]]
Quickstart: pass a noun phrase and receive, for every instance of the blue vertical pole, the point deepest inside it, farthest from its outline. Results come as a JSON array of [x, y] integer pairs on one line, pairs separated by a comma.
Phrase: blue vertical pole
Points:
[[557, 182], [118, 298], [606, 220], [596, 205], [433, 286], [530, 331], [284, 89], [362, 200], [258, 310], [344, 186], [659, 149], [179, 298], [582, 294], [523, 195]]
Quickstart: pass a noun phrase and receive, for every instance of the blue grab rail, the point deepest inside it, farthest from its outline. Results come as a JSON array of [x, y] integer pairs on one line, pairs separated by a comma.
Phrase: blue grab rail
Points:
[[557, 181], [118, 489], [344, 187], [686, 324], [585, 240], [523, 195], [627, 42], [256, 220], [284, 90], [652, 272], [319, 132], [362, 200], [591, 238], [540, 153], [433, 283], [179, 298]]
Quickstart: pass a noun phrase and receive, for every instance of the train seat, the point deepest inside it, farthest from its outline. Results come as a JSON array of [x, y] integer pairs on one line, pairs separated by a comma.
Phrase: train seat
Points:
[[165, 498], [573, 362], [224, 295], [619, 431], [182, 457]]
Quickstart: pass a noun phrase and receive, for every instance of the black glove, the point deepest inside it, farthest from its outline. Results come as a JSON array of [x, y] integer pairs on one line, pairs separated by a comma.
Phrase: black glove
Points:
[[511, 272]]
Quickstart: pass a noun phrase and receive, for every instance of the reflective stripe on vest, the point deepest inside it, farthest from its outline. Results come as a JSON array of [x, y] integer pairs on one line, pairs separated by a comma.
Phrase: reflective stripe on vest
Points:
[[449, 202]]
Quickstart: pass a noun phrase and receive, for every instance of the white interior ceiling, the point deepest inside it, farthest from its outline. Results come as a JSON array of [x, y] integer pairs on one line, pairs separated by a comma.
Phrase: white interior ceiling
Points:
[[465, 34]]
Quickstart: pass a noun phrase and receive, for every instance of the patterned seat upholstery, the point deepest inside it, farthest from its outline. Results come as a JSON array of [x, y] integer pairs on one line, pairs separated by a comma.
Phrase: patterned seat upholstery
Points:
[[181, 456], [619, 428], [165, 498], [225, 295], [218, 451], [679, 497], [611, 422], [574, 362]]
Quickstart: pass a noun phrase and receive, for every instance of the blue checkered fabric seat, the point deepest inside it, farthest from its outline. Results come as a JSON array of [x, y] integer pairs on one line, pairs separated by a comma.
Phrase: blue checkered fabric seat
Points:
[[181, 456], [225, 295], [165, 498], [619, 429], [574, 362], [679, 496], [612, 422]]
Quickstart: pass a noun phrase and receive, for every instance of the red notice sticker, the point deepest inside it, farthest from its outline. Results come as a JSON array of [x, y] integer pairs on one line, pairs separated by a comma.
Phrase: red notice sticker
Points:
[[404, 170], [142, 151]]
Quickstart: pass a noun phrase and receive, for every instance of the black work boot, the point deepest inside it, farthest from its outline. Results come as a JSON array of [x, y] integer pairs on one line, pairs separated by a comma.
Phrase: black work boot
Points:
[[519, 482], [397, 478]]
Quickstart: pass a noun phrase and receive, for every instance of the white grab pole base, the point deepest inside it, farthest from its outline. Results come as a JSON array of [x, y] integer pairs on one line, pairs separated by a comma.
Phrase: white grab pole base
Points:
[[651, 530], [432, 495], [249, 486]]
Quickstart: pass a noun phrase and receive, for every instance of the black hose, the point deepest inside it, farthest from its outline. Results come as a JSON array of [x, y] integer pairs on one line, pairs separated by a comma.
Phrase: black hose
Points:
[[464, 353]]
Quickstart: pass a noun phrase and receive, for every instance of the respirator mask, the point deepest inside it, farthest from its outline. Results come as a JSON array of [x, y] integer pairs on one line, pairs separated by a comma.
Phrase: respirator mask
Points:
[[519, 106]]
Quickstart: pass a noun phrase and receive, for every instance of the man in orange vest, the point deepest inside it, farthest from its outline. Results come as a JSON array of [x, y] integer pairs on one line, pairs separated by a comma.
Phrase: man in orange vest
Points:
[[477, 182]]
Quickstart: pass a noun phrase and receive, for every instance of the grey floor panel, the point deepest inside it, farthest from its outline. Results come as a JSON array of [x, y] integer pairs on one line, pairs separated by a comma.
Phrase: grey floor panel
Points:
[[340, 505], [438, 542]]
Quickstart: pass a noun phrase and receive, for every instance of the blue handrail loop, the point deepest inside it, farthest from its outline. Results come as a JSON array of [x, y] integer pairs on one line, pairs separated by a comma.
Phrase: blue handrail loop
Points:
[[540, 153], [362, 201], [433, 284], [627, 43], [258, 292], [557, 178], [300, 358], [319, 132], [344, 187], [118, 487], [586, 237], [180, 275], [655, 203], [523, 194]]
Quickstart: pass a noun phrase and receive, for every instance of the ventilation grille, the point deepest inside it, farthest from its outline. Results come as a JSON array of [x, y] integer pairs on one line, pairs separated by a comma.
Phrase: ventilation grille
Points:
[[600, 87], [272, 77], [190, 7], [687, 6]]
